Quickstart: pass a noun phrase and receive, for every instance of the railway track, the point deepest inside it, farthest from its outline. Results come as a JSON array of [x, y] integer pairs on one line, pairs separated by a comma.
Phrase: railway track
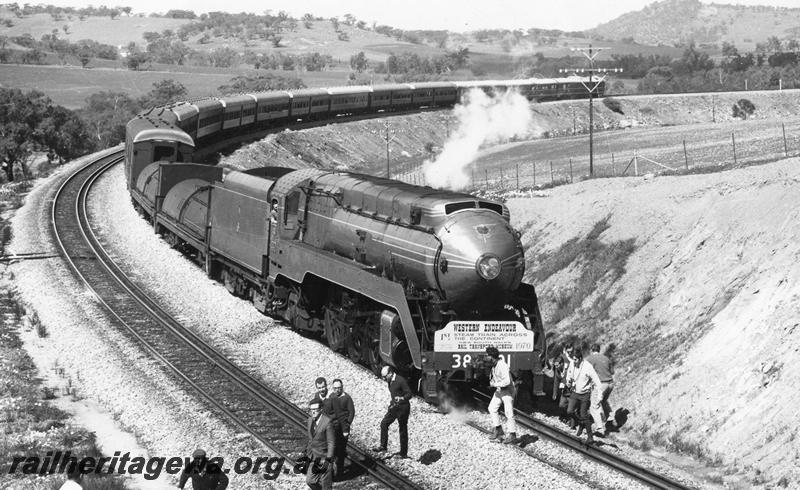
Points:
[[594, 453], [243, 400]]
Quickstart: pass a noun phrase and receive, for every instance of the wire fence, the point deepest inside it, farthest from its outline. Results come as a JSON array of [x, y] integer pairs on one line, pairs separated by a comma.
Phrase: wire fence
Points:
[[617, 154]]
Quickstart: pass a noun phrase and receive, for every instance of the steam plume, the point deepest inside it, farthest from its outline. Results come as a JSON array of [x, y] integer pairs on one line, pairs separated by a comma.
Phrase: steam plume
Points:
[[481, 120]]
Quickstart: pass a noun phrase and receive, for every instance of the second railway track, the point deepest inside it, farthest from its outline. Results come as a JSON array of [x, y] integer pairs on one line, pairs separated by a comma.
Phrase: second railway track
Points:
[[594, 453], [245, 401]]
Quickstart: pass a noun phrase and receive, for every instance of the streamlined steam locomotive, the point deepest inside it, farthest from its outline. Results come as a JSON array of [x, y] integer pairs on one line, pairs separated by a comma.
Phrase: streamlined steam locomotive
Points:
[[386, 272]]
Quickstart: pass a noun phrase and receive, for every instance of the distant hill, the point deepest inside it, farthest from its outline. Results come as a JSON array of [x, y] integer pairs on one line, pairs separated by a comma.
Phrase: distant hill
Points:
[[673, 22]]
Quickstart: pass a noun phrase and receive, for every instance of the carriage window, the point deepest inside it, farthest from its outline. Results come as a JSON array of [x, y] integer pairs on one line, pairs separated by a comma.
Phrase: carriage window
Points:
[[292, 203]]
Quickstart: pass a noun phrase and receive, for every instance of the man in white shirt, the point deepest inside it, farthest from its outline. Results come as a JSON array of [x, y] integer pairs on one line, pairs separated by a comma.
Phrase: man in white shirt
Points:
[[504, 393], [73, 481], [583, 378]]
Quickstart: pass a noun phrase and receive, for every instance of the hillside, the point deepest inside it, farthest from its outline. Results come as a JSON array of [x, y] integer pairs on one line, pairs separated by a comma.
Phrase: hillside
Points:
[[671, 22], [695, 280]]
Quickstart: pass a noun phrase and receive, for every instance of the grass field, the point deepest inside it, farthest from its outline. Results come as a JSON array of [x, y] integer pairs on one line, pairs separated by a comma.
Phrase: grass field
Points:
[[70, 86]]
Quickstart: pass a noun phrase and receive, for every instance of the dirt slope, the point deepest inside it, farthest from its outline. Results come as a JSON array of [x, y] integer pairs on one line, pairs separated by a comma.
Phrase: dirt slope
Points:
[[704, 316]]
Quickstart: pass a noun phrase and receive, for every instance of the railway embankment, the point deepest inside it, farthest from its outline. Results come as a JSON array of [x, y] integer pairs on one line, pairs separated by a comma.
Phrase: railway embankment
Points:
[[694, 279]]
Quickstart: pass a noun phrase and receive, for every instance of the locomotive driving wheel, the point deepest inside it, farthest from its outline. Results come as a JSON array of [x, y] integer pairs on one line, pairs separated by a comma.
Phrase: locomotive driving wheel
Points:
[[335, 330]]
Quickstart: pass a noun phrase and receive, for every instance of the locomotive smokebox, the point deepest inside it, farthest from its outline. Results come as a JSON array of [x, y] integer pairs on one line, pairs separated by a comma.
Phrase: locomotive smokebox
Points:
[[481, 261]]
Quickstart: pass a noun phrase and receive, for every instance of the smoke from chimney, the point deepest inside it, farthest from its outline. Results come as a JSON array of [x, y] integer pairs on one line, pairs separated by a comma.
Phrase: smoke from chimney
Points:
[[481, 120]]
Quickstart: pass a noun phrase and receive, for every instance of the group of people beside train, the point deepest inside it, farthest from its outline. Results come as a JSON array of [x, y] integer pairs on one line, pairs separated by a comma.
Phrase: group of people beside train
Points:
[[583, 383], [582, 386], [331, 417]]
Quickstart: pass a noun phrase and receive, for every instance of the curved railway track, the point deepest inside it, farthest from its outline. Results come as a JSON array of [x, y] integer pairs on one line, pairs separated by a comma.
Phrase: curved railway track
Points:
[[245, 401], [594, 453]]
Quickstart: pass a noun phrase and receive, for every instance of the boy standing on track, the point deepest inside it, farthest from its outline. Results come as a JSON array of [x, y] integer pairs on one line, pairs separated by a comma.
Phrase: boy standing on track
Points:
[[504, 393]]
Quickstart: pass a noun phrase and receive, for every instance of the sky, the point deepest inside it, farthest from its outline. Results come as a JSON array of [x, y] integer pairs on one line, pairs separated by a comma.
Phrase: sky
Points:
[[453, 15]]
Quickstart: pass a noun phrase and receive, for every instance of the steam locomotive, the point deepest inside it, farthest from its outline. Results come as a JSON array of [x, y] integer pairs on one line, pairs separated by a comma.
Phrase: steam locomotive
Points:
[[386, 272]]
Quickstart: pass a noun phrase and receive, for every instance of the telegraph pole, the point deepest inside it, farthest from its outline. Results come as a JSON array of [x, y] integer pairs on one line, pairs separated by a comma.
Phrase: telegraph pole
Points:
[[590, 54], [388, 137]]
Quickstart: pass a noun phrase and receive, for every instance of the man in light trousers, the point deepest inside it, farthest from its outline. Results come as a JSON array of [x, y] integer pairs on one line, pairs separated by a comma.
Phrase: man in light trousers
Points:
[[504, 393], [601, 408]]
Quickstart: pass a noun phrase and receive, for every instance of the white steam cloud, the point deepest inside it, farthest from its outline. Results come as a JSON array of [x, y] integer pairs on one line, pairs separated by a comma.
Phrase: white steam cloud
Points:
[[481, 120]]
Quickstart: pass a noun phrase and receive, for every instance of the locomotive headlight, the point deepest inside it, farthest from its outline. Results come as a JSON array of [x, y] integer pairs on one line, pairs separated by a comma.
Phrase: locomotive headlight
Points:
[[488, 266]]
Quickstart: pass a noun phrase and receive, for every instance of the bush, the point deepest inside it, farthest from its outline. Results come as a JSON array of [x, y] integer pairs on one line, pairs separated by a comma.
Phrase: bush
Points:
[[743, 108], [613, 105]]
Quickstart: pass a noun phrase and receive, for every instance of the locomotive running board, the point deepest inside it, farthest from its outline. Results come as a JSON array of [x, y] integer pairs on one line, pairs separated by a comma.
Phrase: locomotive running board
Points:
[[299, 259]]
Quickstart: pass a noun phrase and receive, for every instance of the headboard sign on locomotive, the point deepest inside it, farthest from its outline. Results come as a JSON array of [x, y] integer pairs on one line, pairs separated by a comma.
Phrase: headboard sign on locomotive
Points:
[[386, 272]]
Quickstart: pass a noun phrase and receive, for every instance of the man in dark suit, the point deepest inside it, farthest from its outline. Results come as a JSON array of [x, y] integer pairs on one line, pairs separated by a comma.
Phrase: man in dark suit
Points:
[[345, 412], [321, 448], [205, 474], [399, 409]]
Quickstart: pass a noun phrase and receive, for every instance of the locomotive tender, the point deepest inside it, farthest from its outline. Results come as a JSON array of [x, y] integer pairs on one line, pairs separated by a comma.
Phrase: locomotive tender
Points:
[[387, 272]]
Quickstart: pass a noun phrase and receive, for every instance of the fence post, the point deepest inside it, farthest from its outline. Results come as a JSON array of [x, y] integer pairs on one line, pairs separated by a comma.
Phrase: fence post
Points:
[[785, 148], [551, 171], [518, 177], [635, 164], [570, 170], [613, 167], [685, 155], [733, 141]]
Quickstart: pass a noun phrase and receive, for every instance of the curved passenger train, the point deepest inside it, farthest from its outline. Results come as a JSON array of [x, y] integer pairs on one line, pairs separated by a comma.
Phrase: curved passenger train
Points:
[[387, 272]]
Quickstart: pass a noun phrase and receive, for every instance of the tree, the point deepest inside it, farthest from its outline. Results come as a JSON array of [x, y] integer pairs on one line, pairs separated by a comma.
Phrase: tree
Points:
[[729, 50], [163, 93], [774, 44], [136, 60], [358, 62], [693, 60], [106, 114], [29, 123]]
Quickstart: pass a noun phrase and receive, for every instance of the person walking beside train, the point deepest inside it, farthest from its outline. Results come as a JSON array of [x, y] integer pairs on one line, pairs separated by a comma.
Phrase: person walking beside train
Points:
[[565, 365], [584, 378], [504, 392], [345, 413], [399, 409], [600, 408]]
